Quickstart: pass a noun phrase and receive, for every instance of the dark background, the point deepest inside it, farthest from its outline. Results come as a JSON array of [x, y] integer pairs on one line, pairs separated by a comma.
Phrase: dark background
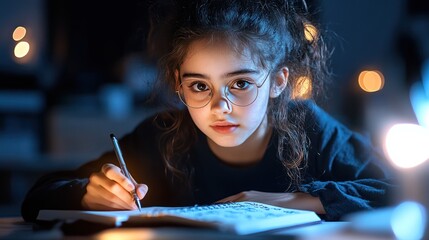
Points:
[[88, 74]]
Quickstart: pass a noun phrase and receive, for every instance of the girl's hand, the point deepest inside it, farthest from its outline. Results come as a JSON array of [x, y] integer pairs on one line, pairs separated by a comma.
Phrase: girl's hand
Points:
[[109, 189], [297, 200]]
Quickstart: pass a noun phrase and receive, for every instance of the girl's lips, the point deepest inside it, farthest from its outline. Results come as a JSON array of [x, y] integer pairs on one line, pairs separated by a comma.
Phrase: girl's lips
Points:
[[224, 127]]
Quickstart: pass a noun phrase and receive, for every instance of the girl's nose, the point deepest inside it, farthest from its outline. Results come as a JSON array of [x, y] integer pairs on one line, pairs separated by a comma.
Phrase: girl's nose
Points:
[[220, 104]]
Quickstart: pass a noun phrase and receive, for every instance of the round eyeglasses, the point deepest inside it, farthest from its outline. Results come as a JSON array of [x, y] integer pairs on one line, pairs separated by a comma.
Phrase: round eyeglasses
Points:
[[198, 93]]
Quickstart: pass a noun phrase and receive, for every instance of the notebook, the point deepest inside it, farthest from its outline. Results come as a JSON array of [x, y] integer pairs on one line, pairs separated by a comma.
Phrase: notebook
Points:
[[235, 217]]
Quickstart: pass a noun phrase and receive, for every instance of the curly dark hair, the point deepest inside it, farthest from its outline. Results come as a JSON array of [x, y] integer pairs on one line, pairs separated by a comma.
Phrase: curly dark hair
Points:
[[275, 33]]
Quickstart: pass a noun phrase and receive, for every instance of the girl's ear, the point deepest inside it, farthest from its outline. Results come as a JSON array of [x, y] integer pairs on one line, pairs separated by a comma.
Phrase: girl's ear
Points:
[[280, 82]]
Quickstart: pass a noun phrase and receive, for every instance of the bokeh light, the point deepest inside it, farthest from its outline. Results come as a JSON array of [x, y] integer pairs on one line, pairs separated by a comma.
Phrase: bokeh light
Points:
[[409, 221], [371, 81], [302, 88], [19, 33], [310, 32], [406, 145], [21, 49]]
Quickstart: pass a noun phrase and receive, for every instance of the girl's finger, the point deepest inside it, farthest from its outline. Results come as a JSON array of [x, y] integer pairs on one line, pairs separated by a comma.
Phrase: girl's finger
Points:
[[111, 189], [102, 197], [141, 190], [114, 173]]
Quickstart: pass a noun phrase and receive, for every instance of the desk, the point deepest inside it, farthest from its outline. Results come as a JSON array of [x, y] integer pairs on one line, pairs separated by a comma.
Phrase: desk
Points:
[[16, 228]]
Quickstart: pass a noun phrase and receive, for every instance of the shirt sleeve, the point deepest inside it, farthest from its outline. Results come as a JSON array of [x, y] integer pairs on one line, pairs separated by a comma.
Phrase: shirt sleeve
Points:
[[345, 170], [65, 189], [58, 190], [61, 190]]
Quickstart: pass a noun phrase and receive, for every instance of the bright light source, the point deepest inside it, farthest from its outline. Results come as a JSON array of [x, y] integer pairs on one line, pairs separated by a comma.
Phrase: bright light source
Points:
[[408, 221], [310, 32], [21, 49], [303, 88], [19, 33], [407, 145], [371, 81]]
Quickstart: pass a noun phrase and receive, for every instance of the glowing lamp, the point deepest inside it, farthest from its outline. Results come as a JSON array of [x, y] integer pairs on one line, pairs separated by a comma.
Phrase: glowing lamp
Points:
[[407, 145]]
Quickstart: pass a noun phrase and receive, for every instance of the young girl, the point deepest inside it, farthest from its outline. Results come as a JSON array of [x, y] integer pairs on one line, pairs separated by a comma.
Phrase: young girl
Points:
[[242, 134]]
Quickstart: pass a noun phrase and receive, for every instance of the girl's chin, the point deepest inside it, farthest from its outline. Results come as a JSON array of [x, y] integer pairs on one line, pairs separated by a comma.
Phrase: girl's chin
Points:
[[226, 143]]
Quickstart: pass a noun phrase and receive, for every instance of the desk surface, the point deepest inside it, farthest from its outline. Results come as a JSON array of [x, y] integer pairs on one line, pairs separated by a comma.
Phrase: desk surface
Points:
[[16, 228]]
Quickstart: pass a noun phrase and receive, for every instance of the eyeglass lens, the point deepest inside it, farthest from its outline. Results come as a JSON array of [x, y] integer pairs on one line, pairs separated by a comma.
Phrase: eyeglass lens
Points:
[[197, 94]]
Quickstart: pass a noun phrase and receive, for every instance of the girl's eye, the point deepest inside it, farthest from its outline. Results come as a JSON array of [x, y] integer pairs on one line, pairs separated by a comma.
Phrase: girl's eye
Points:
[[241, 84], [199, 87]]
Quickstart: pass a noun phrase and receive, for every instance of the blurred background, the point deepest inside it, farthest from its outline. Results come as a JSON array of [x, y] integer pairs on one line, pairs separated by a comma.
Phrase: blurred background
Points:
[[74, 71]]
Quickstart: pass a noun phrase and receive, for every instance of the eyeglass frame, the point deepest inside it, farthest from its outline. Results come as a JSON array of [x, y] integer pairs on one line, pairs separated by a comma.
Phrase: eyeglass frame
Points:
[[225, 92]]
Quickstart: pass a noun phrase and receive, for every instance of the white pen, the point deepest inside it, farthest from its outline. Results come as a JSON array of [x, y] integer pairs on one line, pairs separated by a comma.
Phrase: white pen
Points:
[[124, 167]]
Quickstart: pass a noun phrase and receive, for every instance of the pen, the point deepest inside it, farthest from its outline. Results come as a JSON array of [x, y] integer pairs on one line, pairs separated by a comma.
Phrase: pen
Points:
[[124, 167]]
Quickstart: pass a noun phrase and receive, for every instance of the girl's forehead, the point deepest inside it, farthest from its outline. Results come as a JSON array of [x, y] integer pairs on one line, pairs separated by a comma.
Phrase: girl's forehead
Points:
[[221, 49]]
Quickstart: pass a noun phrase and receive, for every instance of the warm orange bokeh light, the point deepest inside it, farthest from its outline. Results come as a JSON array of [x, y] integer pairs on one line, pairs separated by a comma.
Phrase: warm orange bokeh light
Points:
[[21, 49], [303, 88], [310, 32], [19, 33], [371, 81]]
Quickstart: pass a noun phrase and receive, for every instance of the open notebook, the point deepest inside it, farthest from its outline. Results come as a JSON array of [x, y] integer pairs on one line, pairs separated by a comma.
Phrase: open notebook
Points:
[[236, 217]]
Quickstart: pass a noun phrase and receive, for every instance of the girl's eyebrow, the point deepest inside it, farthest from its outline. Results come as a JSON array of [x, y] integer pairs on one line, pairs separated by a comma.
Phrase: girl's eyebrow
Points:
[[194, 75], [242, 71], [230, 74]]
